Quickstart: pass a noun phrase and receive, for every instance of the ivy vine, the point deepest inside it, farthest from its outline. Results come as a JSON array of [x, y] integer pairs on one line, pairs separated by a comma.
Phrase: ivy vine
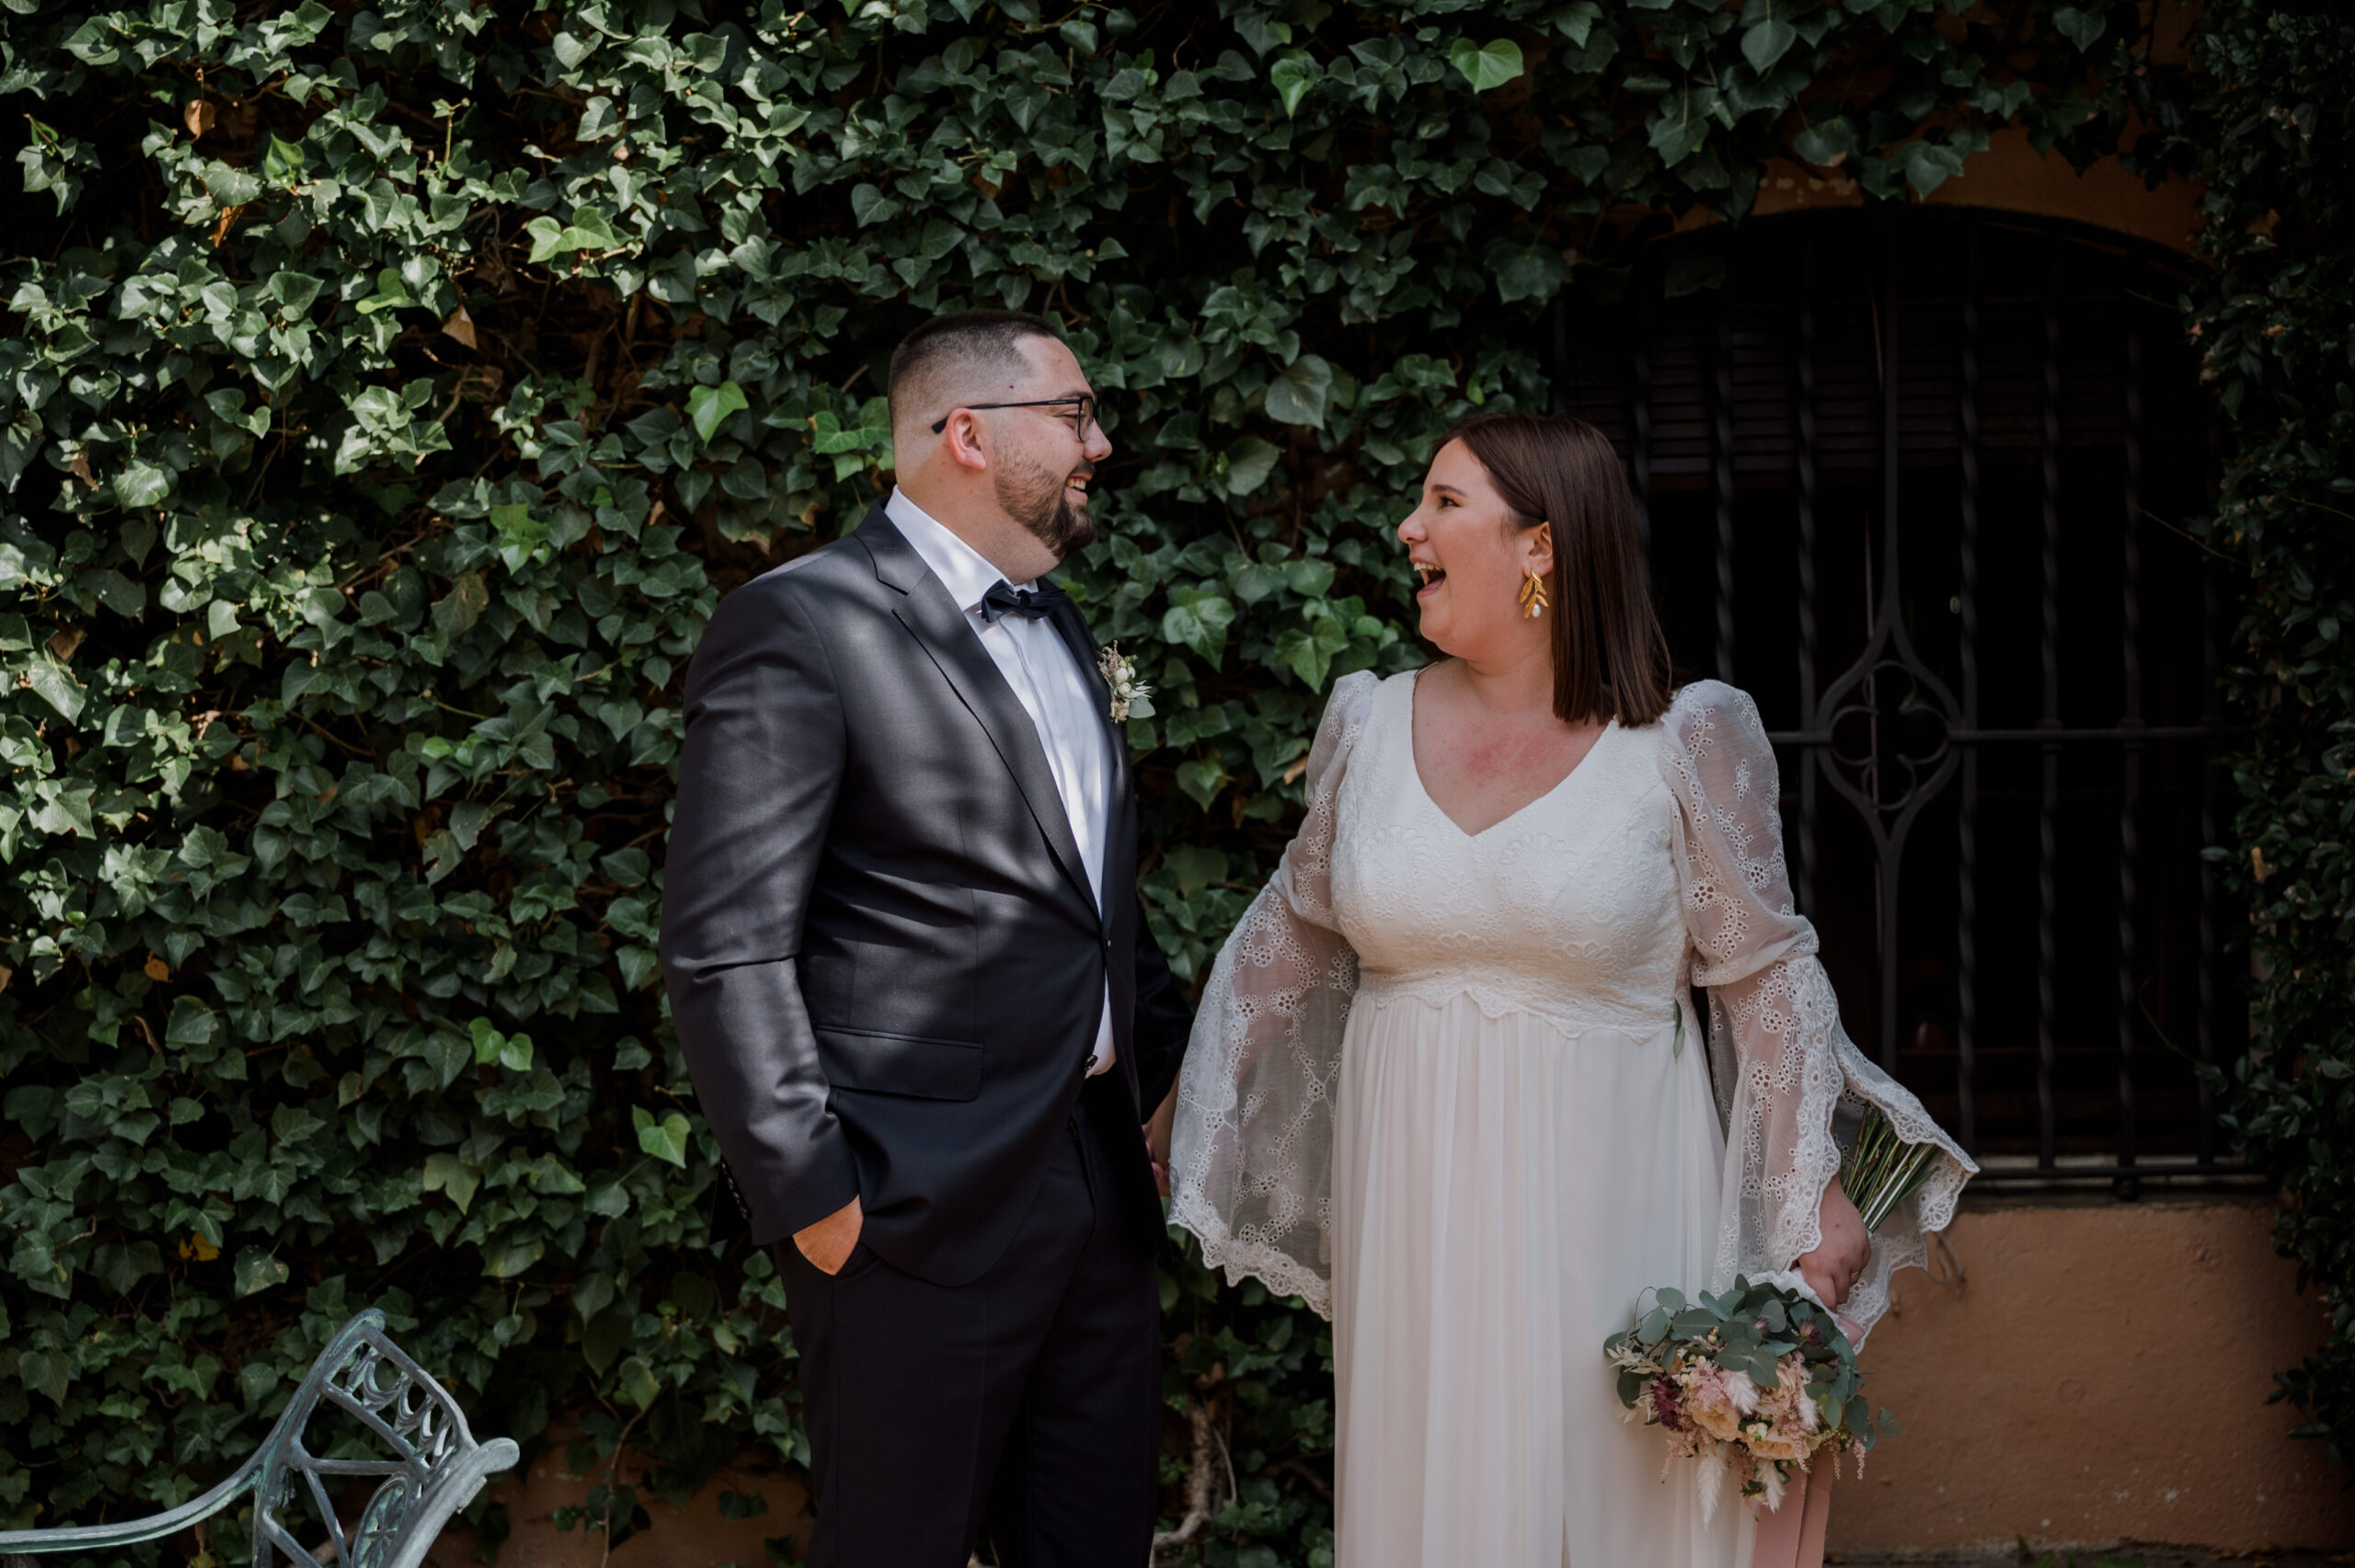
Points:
[[389, 394], [2277, 325]]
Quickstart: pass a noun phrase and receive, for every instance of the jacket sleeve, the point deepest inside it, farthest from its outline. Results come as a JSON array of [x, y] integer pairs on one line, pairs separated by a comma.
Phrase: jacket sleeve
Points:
[[764, 760], [1163, 1020]]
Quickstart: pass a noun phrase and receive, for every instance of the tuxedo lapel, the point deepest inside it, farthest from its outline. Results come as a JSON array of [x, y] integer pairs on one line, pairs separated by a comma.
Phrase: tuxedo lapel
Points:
[[939, 626]]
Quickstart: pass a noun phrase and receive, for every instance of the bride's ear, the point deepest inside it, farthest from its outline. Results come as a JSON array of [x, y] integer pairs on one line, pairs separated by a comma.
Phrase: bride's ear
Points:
[[1540, 546]]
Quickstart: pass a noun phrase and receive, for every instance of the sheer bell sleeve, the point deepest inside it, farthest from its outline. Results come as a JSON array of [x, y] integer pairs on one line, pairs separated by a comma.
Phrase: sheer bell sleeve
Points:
[[1781, 1065], [1251, 1161]]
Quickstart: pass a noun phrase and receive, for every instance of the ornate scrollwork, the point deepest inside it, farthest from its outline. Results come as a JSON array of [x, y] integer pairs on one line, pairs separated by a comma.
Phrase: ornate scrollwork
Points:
[[434, 1468], [1890, 724]]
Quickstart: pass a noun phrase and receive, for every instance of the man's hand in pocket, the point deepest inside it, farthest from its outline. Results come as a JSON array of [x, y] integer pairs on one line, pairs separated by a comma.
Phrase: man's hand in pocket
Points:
[[829, 1243]]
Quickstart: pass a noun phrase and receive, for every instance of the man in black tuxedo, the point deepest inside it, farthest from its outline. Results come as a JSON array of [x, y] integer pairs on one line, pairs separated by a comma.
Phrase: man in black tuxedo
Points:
[[922, 1008]]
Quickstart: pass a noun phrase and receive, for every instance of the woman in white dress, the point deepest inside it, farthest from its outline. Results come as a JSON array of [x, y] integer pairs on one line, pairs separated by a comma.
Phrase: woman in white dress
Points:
[[1447, 1081]]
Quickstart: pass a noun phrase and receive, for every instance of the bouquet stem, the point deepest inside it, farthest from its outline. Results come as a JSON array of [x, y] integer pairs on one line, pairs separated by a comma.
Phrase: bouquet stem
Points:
[[1882, 1170]]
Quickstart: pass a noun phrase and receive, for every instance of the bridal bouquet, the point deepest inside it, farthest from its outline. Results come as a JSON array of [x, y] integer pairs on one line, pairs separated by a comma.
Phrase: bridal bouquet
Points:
[[1757, 1381], [1754, 1384]]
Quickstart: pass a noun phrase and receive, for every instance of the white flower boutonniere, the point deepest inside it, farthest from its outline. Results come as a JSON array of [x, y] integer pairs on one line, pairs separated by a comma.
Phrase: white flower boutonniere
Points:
[[1131, 698]]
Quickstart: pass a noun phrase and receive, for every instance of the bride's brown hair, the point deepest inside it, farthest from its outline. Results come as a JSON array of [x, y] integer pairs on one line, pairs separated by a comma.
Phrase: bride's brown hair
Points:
[[1610, 655]]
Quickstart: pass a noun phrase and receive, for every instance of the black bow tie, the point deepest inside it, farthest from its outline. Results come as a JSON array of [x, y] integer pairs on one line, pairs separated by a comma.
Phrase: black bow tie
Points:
[[1031, 603]]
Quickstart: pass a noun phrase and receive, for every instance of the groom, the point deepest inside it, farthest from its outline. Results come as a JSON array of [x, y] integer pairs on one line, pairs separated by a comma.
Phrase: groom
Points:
[[918, 998]]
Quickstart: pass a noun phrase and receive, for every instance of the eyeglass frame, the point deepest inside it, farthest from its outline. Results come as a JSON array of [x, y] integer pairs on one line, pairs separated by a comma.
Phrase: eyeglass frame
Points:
[[1088, 402]]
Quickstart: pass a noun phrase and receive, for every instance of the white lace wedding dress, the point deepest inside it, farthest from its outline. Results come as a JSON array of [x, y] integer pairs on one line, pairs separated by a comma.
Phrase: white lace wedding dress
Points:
[[1450, 1088]]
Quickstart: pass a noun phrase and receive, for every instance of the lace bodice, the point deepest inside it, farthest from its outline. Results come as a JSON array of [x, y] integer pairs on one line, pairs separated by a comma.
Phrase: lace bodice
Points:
[[1567, 909], [1655, 867]]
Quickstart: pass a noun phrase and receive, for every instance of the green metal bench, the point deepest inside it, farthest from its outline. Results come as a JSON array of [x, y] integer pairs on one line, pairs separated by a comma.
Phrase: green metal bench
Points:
[[434, 1468]]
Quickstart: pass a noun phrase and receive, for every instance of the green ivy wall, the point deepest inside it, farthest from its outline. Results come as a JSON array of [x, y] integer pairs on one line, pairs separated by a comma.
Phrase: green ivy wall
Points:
[[2278, 328], [389, 395]]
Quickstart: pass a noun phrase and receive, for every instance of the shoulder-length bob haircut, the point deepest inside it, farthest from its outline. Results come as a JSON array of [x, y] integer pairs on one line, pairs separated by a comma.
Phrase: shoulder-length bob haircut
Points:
[[1610, 655]]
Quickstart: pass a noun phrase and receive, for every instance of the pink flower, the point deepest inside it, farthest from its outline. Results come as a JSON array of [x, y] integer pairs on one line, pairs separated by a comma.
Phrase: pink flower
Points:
[[1716, 1399], [1785, 1416]]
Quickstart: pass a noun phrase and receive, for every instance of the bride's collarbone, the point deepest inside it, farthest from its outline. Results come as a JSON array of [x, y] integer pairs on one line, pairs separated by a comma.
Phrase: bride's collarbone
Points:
[[1480, 767]]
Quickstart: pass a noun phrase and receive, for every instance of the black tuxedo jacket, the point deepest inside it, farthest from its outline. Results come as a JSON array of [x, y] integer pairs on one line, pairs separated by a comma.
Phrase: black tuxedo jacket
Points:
[[883, 958]]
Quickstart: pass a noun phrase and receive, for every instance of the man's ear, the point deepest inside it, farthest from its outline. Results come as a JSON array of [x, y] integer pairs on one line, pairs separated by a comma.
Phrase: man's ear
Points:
[[964, 440]]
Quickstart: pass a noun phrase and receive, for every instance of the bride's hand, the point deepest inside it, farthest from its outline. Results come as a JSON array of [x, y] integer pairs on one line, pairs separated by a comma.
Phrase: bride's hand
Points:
[[1832, 1269], [1156, 1139]]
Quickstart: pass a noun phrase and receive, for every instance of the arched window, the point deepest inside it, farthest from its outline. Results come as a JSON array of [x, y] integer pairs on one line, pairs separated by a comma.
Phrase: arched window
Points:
[[1918, 481]]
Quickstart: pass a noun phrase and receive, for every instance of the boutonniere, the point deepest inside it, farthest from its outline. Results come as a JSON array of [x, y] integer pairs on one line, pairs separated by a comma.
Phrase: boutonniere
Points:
[[1131, 698]]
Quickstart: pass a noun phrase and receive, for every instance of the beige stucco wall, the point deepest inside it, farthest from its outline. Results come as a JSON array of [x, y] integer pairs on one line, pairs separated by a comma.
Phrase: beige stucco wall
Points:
[[2099, 1376], [2011, 175]]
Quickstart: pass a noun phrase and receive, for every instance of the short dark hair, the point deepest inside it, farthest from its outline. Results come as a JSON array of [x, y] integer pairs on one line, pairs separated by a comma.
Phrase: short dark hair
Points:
[[986, 340], [1611, 654]]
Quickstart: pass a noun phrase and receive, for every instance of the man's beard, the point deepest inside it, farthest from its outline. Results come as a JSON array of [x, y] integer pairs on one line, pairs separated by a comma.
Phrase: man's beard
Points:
[[1040, 501]]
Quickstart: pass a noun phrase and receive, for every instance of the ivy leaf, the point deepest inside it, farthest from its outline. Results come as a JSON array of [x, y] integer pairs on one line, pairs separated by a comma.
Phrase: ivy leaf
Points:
[[1202, 780], [257, 1270], [1199, 620], [1297, 395], [44, 1372], [448, 1173], [708, 406], [56, 688], [1826, 145], [511, 1051], [547, 238], [638, 1383], [506, 1259], [1308, 652], [592, 1293], [870, 206], [284, 161], [1485, 65], [1248, 463], [141, 485], [191, 1023], [1537, 272], [2080, 25], [1767, 42], [665, 1139], [1293, 73], [391, 293]]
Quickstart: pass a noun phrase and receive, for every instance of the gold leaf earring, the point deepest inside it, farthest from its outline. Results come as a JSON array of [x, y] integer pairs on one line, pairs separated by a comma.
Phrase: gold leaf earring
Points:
[[1533, 601]]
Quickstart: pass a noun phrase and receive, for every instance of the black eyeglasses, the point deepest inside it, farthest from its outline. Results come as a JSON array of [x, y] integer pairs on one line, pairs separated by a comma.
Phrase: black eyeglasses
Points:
[[1082, 405]]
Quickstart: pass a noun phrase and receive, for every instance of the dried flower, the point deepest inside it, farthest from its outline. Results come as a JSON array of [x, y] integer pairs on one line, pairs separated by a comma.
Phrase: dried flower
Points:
[[1131, 698]]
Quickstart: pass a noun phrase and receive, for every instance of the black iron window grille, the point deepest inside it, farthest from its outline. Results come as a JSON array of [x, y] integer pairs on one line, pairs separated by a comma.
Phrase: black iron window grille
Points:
[[1918, 481]]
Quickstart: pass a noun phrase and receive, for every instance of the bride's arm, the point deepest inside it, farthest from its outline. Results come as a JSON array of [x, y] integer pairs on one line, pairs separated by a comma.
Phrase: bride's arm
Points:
[[1250, 1168], [1781, 1062]]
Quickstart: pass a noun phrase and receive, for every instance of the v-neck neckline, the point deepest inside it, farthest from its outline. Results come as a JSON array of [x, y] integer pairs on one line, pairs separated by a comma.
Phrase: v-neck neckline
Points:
[[1415, 770]]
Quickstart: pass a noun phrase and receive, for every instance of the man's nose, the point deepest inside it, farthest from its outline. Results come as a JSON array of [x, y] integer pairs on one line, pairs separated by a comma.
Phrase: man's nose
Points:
[[1099, 446]]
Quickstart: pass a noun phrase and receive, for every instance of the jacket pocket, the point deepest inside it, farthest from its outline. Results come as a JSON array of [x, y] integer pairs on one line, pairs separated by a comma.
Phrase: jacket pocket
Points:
[[899, 1064]]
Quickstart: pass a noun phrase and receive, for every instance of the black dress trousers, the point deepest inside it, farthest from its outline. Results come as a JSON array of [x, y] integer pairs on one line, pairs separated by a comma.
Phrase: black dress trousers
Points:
[[1021, 1408]]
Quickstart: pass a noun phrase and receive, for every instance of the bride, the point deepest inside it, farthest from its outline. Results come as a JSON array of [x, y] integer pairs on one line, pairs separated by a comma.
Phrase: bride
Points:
[[1448, 1082]]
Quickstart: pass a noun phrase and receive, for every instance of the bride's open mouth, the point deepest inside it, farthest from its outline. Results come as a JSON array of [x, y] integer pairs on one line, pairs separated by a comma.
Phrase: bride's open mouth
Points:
[[1432, 577]]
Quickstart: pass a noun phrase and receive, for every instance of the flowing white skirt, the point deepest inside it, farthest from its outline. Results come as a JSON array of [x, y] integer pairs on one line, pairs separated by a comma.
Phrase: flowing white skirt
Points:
[[1503, 1190]]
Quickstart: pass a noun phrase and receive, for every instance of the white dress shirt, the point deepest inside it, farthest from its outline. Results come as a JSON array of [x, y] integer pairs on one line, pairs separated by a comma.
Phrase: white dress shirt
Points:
[[1053, 690]]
